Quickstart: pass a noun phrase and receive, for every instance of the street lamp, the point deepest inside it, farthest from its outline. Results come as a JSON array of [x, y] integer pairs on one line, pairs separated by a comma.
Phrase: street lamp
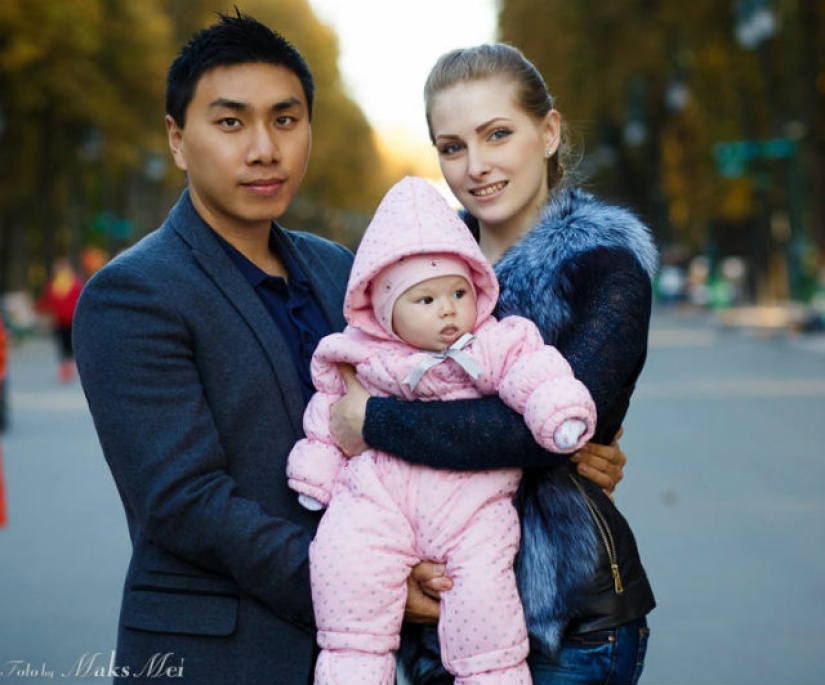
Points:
[[677, 93], [154, 167], [755, 22], [635, 130], [92, 146]]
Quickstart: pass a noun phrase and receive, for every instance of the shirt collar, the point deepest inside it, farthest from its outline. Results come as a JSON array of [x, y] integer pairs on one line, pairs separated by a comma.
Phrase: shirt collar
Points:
[[254, 274]]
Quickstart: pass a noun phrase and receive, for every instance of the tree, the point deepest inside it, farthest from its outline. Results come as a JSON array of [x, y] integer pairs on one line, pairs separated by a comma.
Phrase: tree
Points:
[[75, 76], [650, 88], [82, 90]]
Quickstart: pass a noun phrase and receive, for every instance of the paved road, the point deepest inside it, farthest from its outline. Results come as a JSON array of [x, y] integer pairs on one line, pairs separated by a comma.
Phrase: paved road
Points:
[[64, 550], [724, 490]]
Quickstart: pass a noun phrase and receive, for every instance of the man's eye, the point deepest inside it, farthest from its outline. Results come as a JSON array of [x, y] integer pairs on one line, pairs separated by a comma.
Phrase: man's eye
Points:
[[285, 120]]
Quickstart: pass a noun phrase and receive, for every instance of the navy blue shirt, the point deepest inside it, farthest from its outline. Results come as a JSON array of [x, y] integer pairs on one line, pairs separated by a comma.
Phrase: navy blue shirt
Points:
[[291, 304]]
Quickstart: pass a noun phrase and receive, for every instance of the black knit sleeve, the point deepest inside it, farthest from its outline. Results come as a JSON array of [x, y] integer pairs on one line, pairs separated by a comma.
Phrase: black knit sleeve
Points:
[[611, 312], [462, 435], [606, 341]]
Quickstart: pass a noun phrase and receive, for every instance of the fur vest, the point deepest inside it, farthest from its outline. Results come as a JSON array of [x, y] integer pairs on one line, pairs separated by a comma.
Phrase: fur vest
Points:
[[560, 545]]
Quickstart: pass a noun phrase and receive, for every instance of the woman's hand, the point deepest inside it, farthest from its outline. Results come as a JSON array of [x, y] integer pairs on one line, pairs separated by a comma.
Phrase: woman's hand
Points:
[[347, 415], [603, 464], [425, 584]]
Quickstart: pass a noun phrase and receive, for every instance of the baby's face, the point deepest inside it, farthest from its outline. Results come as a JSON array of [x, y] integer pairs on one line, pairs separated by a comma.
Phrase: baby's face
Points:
[[433, 314]]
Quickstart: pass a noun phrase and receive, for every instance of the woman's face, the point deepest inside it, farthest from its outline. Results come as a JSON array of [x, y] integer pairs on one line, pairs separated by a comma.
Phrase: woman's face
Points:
[[493, 154]]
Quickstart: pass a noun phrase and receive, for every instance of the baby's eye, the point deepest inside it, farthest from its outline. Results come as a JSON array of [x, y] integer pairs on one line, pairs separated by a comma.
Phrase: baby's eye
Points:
[[425, 300]]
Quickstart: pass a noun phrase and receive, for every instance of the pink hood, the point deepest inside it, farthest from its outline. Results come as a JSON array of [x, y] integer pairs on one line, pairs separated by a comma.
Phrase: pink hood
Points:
[[412, 219]]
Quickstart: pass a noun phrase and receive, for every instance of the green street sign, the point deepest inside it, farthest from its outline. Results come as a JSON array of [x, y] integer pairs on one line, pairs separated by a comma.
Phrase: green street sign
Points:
[[732, 157]]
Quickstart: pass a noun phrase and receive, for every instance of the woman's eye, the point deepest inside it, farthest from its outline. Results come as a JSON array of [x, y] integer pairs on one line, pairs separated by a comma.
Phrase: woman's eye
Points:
[[500, 133], [449, 149]]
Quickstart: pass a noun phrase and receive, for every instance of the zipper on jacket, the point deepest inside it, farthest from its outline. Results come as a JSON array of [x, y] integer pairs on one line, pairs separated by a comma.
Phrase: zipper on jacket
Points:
[[606, 535]]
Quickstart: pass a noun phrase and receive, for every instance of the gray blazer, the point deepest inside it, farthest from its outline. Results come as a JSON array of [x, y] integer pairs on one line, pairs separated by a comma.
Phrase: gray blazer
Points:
[[197, 404]]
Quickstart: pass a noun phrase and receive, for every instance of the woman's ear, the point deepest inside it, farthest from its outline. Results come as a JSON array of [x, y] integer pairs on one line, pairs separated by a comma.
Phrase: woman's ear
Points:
[[551, 132]]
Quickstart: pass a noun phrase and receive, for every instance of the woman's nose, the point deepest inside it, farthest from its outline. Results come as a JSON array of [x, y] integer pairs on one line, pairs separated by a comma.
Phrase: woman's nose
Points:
[[477, 162]]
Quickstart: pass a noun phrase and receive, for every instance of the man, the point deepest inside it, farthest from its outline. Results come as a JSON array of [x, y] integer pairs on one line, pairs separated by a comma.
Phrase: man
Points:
[[193, 349]]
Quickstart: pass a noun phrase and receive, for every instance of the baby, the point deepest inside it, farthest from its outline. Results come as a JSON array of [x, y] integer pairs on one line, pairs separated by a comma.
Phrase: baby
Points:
[[419, 307]]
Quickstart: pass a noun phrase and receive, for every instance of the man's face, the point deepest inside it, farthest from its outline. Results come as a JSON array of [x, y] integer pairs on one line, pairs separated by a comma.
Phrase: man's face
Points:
[[244, 147]]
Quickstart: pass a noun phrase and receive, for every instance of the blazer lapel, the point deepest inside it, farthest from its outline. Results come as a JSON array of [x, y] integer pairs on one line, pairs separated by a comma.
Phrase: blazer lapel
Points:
[[214, 261]]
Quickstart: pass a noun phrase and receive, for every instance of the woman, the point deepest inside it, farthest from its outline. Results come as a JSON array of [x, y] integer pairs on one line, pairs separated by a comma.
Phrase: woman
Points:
[[581, 270]]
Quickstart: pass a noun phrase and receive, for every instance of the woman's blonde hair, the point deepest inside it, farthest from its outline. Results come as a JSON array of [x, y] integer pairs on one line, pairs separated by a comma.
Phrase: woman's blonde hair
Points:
[[492, 60]]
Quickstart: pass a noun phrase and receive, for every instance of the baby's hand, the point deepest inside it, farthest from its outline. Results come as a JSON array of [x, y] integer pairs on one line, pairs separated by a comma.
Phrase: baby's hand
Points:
[[568, 434], [310, 503]]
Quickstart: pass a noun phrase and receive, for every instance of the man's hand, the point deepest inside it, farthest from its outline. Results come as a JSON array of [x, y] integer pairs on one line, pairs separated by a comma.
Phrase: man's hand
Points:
[[603, 464], [347, 415], [425, 584]]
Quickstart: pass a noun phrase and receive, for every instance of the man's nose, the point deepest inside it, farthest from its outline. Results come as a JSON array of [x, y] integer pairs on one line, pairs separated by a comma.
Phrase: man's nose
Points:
[[263, 147]]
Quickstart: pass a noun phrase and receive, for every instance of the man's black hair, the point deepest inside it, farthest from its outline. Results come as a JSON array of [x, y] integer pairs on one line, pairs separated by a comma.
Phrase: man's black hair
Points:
[[232, 40]]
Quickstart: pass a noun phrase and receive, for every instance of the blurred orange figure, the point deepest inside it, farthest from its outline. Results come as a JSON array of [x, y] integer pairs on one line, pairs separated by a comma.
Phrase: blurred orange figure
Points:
[[92, 259], [59, 300]]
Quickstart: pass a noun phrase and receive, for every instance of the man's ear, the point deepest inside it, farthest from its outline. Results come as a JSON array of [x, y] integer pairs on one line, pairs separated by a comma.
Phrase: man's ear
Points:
[[174, 134]]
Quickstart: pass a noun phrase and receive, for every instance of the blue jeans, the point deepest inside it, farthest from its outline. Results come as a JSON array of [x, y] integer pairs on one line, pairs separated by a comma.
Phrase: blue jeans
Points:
[[603, 657]]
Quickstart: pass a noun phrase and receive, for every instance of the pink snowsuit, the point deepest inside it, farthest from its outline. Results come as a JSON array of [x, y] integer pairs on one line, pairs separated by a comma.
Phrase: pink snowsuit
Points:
[[385, 515]]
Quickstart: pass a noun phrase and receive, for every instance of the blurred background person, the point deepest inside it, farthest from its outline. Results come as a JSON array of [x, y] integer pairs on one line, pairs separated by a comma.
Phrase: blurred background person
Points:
[[58, 301]]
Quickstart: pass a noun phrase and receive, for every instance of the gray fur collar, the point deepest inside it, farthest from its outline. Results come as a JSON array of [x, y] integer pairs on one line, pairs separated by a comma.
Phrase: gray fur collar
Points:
[[572, 224]]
